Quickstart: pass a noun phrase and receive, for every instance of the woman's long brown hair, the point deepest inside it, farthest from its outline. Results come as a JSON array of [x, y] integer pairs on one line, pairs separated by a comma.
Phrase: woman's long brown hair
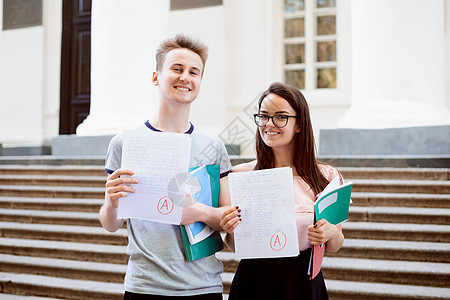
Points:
[[305, 161]]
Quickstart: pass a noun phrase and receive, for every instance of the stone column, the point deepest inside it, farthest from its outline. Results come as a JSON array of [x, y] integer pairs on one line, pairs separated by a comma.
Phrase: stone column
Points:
[[124, 37], [397, 64], [52, 21]]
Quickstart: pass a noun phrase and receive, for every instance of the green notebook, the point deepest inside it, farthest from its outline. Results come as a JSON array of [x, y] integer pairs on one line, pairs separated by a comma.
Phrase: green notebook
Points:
[[212, 243], [333, 203]]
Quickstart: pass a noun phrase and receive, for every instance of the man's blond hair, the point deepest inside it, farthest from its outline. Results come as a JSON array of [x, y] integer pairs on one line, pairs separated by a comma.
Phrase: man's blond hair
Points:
[[178, 42]]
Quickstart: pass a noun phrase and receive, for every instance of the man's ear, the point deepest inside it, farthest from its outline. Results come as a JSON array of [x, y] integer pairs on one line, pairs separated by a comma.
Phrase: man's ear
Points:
[[155, 78]]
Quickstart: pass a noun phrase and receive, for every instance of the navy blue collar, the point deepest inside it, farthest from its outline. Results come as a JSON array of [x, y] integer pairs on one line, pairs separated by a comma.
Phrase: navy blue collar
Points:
[[147, 123]]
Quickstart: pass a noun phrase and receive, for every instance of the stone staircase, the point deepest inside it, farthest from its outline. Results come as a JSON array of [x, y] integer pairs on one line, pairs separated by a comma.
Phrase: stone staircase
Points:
[[52, 245]]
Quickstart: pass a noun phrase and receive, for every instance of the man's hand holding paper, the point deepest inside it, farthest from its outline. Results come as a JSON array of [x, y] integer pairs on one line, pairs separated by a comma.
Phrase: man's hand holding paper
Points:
[[118, 187], [159, 161]]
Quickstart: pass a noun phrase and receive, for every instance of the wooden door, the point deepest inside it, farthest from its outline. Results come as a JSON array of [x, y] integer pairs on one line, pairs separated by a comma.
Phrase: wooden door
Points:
[[75, 65]]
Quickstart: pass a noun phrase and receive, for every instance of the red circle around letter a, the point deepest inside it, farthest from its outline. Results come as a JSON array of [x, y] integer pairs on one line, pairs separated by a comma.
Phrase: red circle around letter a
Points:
[[165, 205], [278, 241]]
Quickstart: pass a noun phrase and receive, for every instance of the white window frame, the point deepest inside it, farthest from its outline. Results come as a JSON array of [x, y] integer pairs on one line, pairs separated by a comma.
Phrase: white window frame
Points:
[[319, 96]]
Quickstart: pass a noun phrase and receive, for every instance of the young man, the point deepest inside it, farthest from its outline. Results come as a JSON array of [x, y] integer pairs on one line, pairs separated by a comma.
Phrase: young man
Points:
[[157, 267]]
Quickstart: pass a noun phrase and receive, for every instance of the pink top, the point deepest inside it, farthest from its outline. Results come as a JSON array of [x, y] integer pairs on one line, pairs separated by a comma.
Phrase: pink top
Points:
[[304, 205]]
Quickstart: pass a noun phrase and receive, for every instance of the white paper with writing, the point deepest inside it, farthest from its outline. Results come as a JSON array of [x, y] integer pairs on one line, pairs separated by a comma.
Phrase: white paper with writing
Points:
[[156, 158], [266, 200]]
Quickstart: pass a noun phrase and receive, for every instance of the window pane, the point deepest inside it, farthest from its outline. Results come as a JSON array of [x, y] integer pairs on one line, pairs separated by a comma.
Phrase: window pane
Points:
[[294, 27], [326, 78], [326, 25], [326, 3], [293, 5], [326, 51], [296, 78], [295, 54]]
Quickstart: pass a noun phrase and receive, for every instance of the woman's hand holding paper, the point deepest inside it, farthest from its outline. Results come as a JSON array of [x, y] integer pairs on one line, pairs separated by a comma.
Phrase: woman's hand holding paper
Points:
[[324, 232], [230, 219], [203, 213]]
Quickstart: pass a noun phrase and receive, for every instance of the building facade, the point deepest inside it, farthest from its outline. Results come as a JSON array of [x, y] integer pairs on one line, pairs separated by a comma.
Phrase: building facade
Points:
[[369, 64]]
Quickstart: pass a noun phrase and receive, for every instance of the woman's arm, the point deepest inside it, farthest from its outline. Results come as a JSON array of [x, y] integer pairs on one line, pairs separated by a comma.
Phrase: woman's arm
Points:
[[231, 217], [326, 233], [229, 220], [207, 214]]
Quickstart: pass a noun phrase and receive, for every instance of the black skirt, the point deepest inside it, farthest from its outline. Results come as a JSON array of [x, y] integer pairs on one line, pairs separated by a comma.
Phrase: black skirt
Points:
[[277, 278]]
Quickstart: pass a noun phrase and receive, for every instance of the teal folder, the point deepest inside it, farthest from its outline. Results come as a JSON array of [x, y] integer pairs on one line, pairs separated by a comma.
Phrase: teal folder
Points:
[[334, 205], [212, 243]]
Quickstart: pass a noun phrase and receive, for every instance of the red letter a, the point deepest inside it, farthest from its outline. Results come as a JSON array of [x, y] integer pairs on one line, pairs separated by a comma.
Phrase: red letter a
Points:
[[277, 240], [164, 204]]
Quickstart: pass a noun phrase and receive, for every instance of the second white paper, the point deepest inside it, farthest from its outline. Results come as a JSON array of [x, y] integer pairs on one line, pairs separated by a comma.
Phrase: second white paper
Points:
[[159, 161], [266, 200]]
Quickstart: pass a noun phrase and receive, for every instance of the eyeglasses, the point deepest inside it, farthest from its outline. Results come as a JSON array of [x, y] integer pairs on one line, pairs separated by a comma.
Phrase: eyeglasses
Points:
[[279, 121]]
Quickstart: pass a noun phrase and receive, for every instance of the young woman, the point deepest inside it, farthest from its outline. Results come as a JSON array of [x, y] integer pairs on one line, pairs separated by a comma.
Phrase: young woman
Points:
[[285, 139]]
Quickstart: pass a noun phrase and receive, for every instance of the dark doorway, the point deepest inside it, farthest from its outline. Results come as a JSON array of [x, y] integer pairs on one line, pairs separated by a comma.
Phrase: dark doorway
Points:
[[75, 65]]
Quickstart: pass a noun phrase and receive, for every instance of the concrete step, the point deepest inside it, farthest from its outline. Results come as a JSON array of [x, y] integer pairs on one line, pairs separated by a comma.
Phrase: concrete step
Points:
[[51, 160], [53, 180], [52, 191], [352, 230], [401, 200], [387, 271], [394, 250], [388, 161], [21, 297], [414, 252], [359, 199], [227, 278], [52, 170], [354, 290], [49, 217], [395, 173], [63, 288], [54, 204], [348, 172], [401, 186], [65, 233], [113, 254], [98, 160], [417, 251], [360, 185], [353, 246], [397, 231], [63, 268], [414, 215], [351, 290], [379, 161], [377, 214]]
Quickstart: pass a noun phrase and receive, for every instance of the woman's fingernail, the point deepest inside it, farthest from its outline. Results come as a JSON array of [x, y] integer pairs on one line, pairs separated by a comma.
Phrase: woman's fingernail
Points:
[[239, 216]]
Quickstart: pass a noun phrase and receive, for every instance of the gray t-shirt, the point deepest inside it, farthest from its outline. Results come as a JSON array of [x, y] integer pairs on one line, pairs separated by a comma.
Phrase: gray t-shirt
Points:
[[157, 263]]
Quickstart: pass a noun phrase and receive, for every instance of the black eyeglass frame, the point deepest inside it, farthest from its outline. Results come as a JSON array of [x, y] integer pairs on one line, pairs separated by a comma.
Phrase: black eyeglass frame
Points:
[[271, 117]]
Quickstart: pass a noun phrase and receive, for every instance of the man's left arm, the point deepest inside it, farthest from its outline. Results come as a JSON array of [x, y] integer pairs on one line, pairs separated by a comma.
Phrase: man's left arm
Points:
[[207, 214]]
